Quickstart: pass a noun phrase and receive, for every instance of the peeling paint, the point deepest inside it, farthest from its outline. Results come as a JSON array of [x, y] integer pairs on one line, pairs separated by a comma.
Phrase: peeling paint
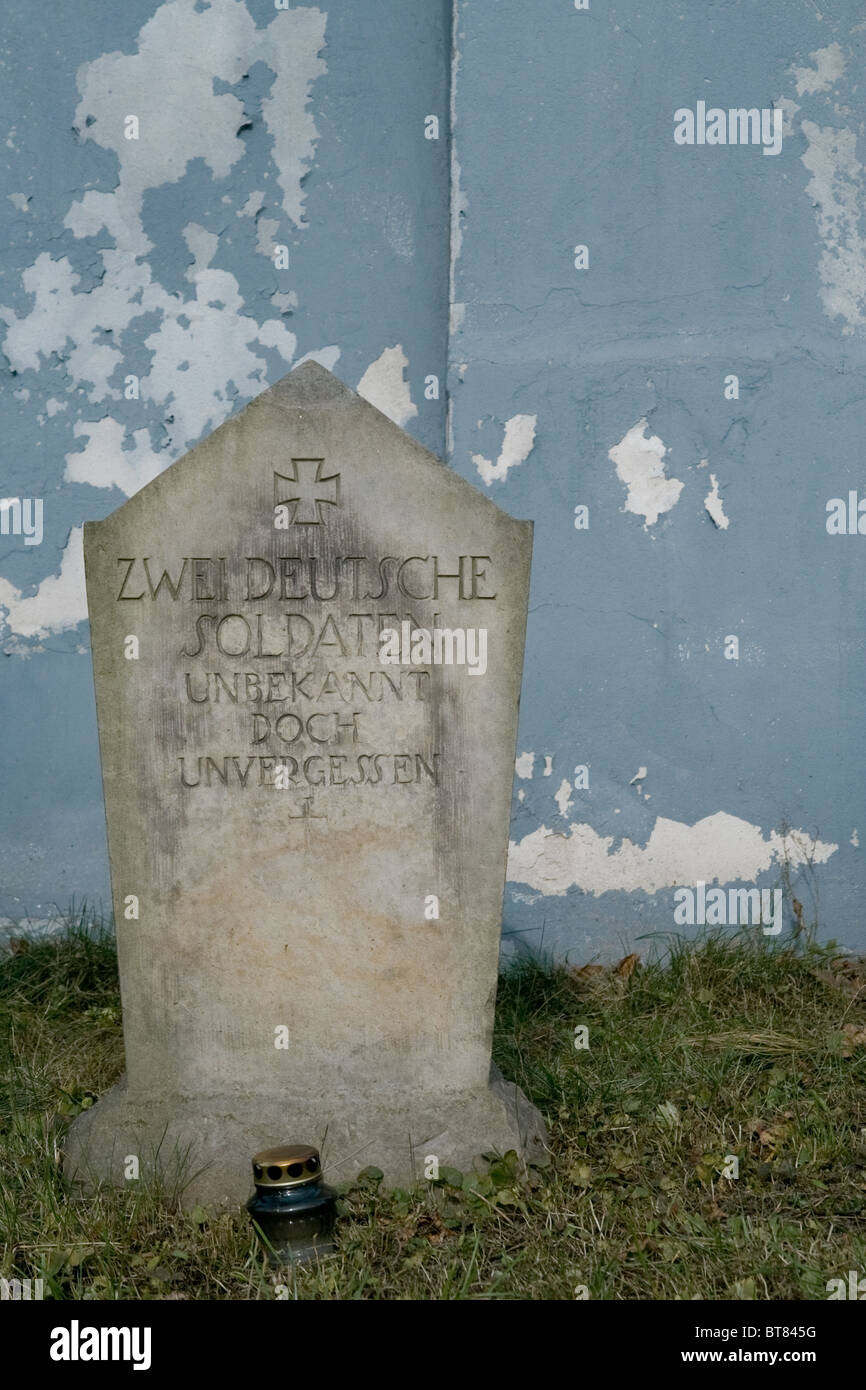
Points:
[[563, 797], [639, 776], [523, 764], [383, 385], [836, 189], [720, 848], [517, 444], [326, 357], [830, 63], [284, 302], [253, 205], [640, 466], [218, 340], [226, 44], [203, 245], [105, 463], [713, 504], [59, 602], [206, 350], [266, 235]]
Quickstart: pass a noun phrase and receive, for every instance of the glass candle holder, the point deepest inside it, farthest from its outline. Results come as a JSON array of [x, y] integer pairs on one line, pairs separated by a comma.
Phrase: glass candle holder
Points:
[[293, 1208]]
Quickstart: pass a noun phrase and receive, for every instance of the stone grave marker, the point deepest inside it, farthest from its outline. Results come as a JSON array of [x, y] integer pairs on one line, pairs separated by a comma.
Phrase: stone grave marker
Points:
[[307, 648]]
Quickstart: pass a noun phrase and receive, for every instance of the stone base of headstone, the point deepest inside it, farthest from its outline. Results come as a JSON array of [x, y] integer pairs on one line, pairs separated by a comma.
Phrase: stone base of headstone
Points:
[[201, 1149]]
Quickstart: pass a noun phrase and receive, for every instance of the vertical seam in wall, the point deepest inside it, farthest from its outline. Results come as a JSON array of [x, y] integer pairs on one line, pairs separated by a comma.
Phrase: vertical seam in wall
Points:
[[453, 218]]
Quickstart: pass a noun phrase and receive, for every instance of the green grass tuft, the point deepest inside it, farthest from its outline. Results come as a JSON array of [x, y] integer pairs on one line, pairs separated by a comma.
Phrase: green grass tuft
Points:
[[730, 1048]]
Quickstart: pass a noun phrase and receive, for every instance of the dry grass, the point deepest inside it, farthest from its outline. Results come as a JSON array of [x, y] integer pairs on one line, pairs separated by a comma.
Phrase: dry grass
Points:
[[731, 1050]]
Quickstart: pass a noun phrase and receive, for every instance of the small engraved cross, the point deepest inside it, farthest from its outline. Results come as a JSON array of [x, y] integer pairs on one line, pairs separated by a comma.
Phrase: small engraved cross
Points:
[[306, 816], [307, 491]]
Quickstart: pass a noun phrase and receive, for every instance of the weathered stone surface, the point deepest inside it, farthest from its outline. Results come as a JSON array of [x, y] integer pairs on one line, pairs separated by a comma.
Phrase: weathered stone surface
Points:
[[285, 979]]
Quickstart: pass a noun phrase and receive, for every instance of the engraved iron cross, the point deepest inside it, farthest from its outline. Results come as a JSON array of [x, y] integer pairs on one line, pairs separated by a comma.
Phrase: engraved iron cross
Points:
[[307, 491]]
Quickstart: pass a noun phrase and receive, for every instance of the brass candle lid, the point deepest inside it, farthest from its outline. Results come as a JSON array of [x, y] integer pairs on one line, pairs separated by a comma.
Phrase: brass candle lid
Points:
[[288, 1165]]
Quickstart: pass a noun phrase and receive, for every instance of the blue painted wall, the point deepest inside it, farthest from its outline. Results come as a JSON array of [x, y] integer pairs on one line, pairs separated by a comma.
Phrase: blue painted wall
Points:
[[365, 218], [702, 262], [737, 767]]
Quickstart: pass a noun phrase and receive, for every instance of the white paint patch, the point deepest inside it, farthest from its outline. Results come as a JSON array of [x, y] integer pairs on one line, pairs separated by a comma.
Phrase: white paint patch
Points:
[[384, 387], [105, 463], [253, 205], [285, 302], [713, 504], [789, 110], [58, 604], [53, 407], [548, 765], [292, 53], [720, 848], [640, 466], [20, 201], [523, 765], [639, 776], [830, 63], [203, 245], [517, 444], [266, 235], [207, 353], [855, 839], [326, 357], [59, 316], [198, 350], [563, 798], [836, 190], [181, 51]]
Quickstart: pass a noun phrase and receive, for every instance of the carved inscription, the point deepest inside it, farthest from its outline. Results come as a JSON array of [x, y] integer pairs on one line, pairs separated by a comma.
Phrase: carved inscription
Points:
[[209, 579], [307, 686]]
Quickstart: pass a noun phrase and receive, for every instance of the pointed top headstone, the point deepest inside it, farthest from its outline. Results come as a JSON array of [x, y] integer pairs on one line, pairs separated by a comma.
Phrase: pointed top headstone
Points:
[[307, 647]]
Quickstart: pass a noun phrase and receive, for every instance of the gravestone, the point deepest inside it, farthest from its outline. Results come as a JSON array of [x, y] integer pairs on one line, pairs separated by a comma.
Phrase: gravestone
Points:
[[307, 810]]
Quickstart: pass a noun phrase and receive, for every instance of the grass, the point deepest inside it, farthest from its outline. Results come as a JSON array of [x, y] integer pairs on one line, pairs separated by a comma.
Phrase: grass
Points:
[[730, 1049]]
